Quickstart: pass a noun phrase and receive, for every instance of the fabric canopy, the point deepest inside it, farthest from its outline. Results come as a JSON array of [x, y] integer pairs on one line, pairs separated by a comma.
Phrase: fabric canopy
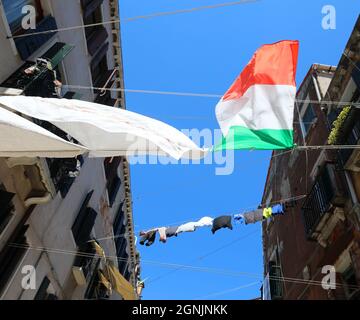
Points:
[[118, 282], [20, 137], [107, 131]]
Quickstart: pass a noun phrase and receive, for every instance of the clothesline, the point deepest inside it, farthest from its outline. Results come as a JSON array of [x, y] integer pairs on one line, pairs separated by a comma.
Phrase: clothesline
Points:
[[219, 293], [142, 17], [148, 237], [157, 278], [201, 95], [172, 265]]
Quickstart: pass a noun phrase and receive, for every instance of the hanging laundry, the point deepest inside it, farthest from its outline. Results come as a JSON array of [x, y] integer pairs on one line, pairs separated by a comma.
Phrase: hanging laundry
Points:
[[253, 216], [171, 231], [162, 234], [278, 209], [221, 222], [148, 238], [186, 227], [238, 218], [267, 213], [205, 222]]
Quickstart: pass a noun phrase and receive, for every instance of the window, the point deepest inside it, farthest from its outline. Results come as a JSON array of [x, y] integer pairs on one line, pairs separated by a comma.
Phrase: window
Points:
[[14, 15], [6, 207], [113, 181], [356, 75], [308, 118], [350, 281], [84, 222], [97, 71], [46, 291], [94, 17], [276, 281], [99, 68], [11, 256]]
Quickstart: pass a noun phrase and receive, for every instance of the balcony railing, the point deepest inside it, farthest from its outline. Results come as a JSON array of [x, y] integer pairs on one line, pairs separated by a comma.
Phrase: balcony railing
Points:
[[326, 192], [36, 79]]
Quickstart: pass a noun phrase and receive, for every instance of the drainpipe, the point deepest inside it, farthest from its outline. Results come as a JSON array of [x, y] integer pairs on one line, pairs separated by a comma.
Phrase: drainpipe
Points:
[[38, 200], [50, 190]]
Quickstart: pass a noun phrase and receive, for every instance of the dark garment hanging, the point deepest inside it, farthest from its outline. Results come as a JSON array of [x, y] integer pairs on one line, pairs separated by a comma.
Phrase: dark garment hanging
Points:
[[148, 238], [171, 231], [221, 222], [253, 216]]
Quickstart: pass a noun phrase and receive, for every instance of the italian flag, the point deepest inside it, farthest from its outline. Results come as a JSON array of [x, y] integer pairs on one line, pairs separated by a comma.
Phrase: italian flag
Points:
[[257, 111]]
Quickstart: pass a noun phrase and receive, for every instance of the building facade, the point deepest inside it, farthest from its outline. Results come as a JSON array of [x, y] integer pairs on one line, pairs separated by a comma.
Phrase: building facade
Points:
[[317, 240], [65, 223]]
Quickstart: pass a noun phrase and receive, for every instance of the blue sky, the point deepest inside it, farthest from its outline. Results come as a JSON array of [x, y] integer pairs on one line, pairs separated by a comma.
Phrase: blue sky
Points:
[[203, 52]]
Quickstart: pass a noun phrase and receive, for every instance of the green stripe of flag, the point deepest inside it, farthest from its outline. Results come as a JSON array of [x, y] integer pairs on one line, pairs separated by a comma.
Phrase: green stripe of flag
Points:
[[266, 139]]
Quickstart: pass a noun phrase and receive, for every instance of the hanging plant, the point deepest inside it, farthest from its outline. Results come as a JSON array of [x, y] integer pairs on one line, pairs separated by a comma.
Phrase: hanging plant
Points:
[[338, 126]]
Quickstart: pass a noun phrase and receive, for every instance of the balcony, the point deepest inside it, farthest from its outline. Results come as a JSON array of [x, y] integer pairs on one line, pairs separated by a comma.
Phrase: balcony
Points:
[[28, 45], [323, 204], [106, 99], [35, 79], [349, 157]]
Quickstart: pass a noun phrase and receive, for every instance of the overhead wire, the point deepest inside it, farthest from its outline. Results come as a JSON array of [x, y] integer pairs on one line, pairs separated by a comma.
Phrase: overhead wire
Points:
[[193, 94], [219, 293], [142, 17], [204, 256], [173, 265], [200, 95]]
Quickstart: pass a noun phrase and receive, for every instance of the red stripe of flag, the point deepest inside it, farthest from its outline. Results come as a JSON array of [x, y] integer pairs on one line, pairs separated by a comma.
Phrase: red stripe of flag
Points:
[[272, 64]]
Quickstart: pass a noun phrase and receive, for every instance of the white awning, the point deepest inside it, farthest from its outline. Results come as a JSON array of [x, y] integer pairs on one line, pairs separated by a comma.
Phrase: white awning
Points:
[[107, 131], [20, 137]]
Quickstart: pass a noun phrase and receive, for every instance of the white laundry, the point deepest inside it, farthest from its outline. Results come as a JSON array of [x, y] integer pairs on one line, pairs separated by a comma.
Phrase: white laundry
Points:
[[186, 227], [162, 233], [205, 222]]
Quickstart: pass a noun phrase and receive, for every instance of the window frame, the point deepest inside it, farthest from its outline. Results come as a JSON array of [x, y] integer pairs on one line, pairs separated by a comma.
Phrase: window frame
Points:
[[305, 126]]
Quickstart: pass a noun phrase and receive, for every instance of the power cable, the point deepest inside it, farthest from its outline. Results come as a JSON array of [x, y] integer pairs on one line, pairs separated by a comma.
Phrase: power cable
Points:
[[149, 16], [173, 265]]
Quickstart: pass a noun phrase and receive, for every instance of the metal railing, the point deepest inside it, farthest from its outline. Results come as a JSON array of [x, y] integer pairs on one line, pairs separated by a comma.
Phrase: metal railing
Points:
[[318, 202]]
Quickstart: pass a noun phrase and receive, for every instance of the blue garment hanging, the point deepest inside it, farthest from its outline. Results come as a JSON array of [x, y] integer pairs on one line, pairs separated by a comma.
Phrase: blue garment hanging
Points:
[[278, 209], [238, 218]]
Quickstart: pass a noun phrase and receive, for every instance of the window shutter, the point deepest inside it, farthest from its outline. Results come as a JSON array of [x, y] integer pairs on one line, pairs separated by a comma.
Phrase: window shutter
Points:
[[86, 227], [96, 40], [42, 292], [101, 54], [57, 53], [84, 220], [28, 45], [89, 6]]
